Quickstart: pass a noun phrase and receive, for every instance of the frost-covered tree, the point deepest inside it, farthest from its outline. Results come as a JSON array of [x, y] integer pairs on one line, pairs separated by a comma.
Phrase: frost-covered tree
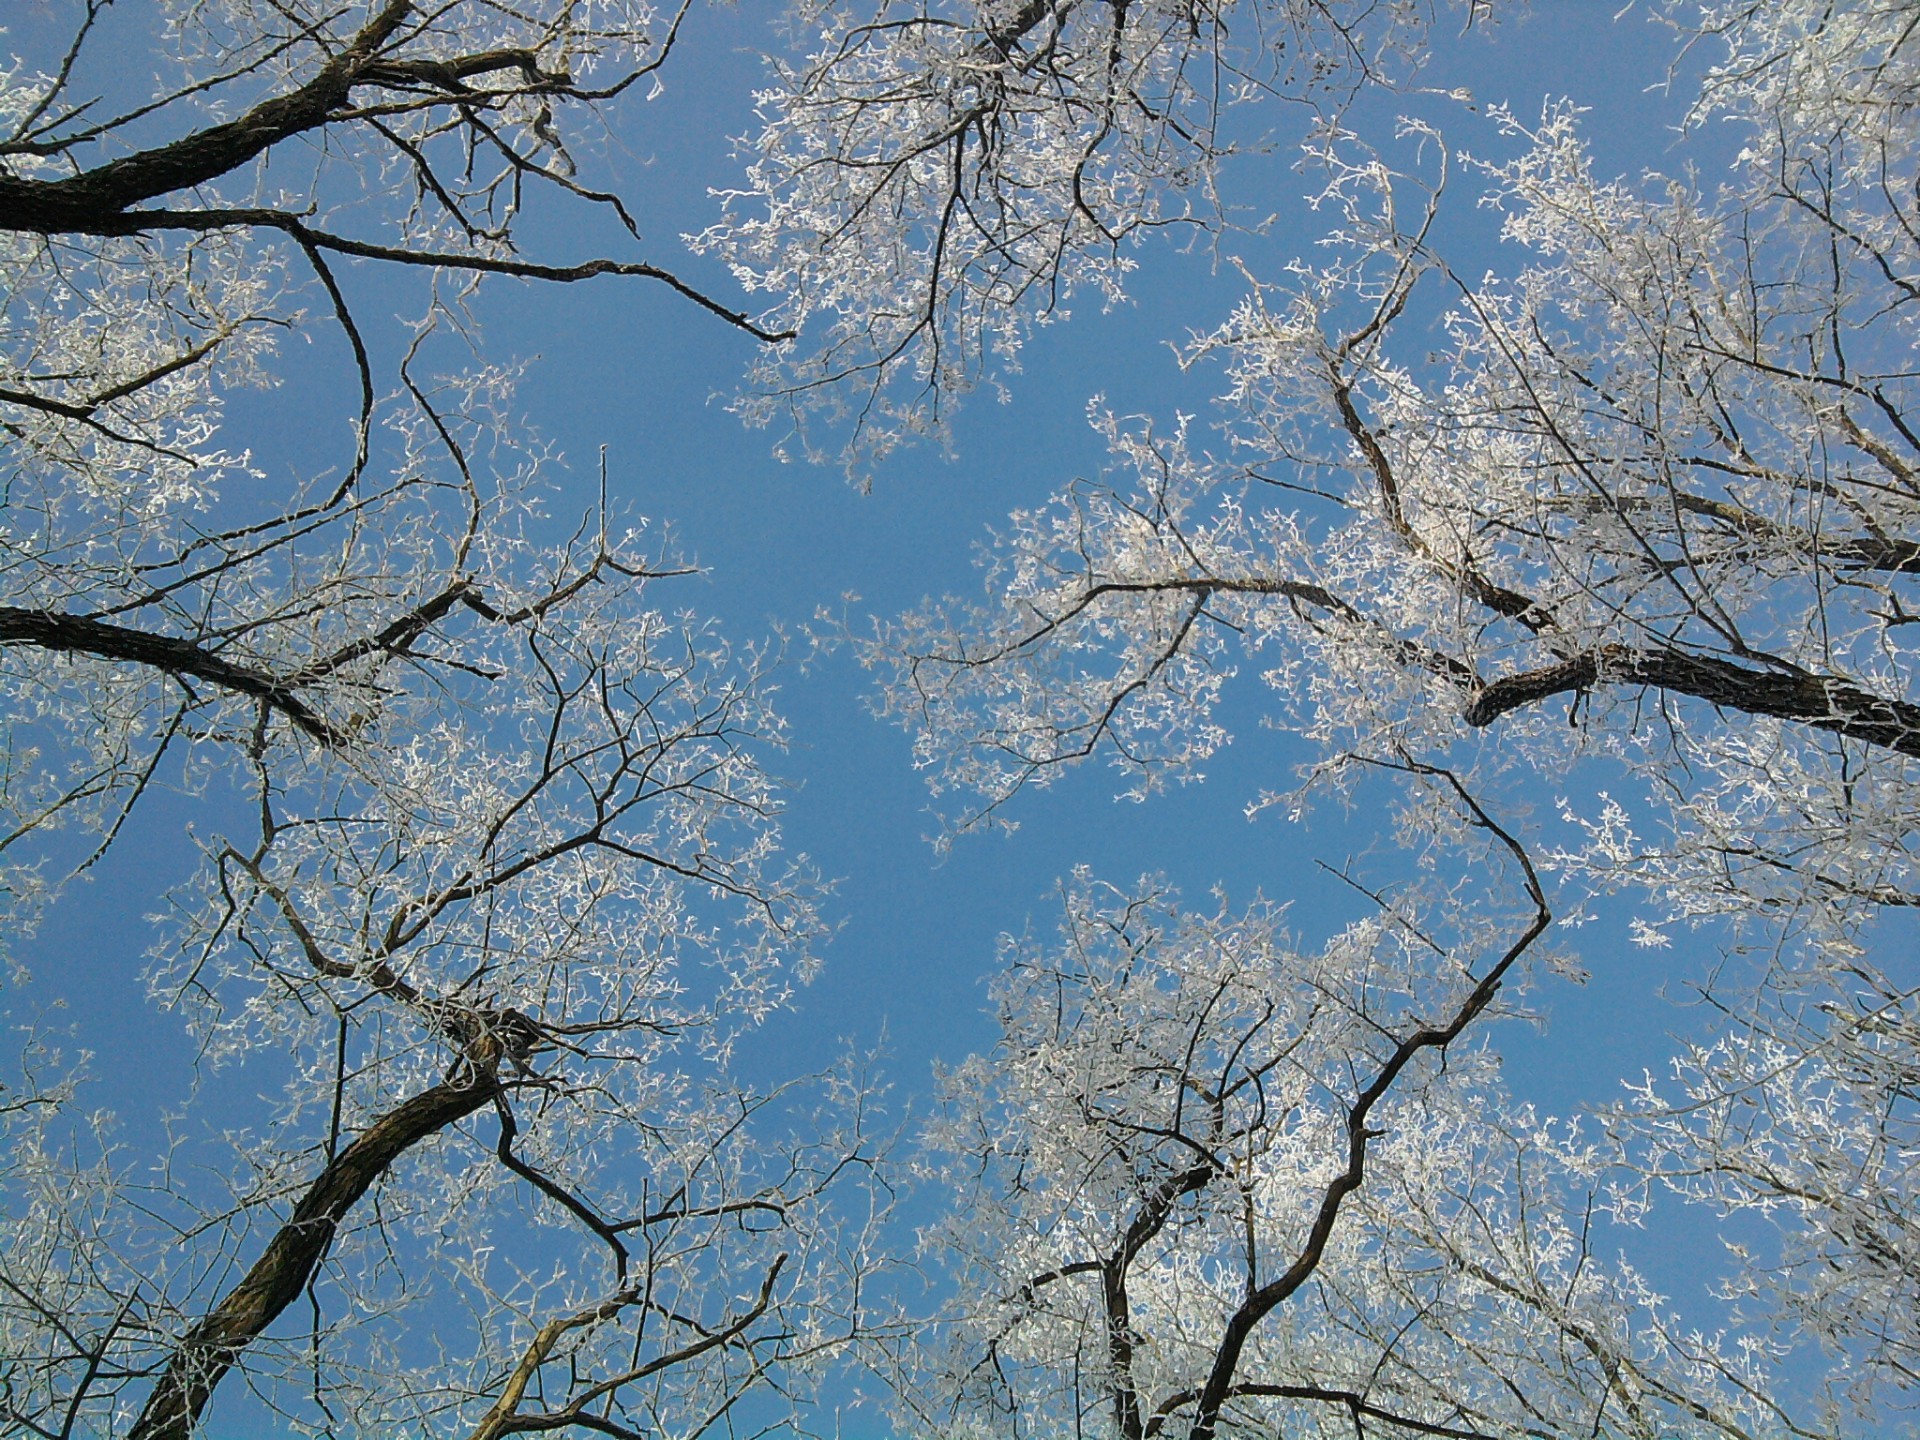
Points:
[[926, 186], [157, 250], [1805, 1118], [491, 876], [1214, 1184], [1663, 475], [497, 961], [490, 856], [502, 880], [1634, 514], [931, 181]]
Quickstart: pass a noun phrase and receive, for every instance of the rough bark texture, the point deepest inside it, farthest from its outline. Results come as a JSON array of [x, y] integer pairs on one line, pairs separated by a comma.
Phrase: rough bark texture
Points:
[[76, 202], [206, 1352], [77, 635], [1824, 702]]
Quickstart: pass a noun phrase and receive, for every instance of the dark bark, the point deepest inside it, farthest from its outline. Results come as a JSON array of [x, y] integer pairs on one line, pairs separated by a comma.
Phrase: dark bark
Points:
[[77, 635], [207, 1351], [1823, 702], [1263, 1300], [75, 202], [1352, 1401], [1151, 1219], [1869, 552]]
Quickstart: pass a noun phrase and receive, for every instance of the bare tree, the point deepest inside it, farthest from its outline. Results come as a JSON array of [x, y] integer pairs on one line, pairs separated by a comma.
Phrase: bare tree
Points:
[[1636, 519], [1212, 1184], [505, 882]]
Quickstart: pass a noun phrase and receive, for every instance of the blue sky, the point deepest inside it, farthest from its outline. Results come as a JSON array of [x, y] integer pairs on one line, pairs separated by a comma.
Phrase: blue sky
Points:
[[634, 369], [782, 541]]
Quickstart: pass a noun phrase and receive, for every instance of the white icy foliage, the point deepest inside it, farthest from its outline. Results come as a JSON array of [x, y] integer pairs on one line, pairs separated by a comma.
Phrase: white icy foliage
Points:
[[550, 863], [159, 251], [1660, 484], [492, 877], [1635, 517], [1151, 1142], [933, 180], [1808, 1119], [1620, 497]]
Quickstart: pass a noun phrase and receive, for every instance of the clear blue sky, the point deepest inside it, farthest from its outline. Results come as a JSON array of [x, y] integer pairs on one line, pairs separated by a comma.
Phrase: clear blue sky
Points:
[[631, 367], [634, 369]]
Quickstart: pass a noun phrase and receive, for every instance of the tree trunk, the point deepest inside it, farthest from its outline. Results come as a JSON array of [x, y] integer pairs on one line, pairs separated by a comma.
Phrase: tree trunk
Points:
[[207, 1351]]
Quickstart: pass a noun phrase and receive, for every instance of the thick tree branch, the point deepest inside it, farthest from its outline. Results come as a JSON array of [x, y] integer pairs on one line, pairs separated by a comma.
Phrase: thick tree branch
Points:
[[207, 1351], [1356, 1405], [51, 207], [1150, 1220], [187, 659], [1824, 702]]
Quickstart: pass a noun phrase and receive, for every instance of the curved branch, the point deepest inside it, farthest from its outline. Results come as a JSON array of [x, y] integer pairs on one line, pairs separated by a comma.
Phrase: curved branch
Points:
[[77, 635], [504, 1417], [1150, 1220], [1263, 1300], [206, 1352], [1824, 702], [135, 222], [1357, 1405]]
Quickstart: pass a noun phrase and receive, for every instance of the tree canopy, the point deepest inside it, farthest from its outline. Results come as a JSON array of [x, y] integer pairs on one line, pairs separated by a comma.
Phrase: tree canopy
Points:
[[1582, 556]]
